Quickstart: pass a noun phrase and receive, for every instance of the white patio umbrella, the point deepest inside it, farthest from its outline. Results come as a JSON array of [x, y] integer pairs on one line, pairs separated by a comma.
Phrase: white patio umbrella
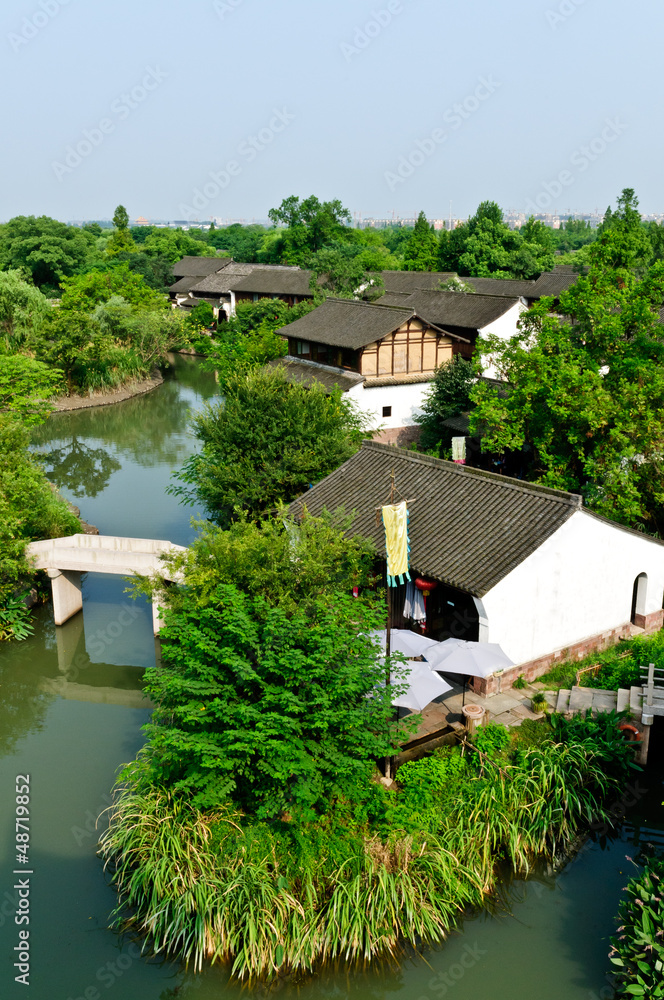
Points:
[[424, 686], [402, 640], [474, 659]]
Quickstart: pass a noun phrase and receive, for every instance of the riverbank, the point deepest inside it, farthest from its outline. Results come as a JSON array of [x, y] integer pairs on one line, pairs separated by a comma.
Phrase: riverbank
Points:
[[127, 391], [364, 880]]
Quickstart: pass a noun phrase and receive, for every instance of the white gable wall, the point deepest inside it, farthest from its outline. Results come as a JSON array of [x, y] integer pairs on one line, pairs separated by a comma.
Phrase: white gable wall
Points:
[[405, 400], [504, 327], [578, 584]]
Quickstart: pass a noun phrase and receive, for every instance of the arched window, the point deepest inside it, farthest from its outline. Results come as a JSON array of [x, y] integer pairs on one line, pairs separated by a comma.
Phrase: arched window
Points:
[[639, 595]]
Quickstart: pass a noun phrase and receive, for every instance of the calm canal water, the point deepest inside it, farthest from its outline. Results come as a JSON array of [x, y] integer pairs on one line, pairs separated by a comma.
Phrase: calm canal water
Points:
[[71, 714]]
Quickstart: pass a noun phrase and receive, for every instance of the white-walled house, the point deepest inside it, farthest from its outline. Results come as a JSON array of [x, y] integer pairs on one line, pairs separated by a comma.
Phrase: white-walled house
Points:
[[510, 562], [392, 351], [471, 315], [389, 355]]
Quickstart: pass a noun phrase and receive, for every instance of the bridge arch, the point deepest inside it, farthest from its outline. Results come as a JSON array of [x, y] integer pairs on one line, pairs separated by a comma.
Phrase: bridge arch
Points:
[[66, 559]]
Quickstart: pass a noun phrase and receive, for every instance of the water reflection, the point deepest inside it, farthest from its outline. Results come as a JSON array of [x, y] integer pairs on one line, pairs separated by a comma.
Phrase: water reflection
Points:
[[83, 470], [81, 449], [24, 701]]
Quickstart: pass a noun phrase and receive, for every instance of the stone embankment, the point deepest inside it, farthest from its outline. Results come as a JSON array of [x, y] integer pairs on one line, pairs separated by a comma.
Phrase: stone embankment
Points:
[[127, 391]]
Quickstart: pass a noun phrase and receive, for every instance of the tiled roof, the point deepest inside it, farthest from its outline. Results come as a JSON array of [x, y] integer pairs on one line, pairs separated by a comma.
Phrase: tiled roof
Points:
[[192, 266], [309, 372], [500, 286], [468, 528], [275, 281], [347, 323], [392, 299], [459, 309], [410, 281], [410, 379], [184, 285], [553, 283], [352, 324], [229, 279]]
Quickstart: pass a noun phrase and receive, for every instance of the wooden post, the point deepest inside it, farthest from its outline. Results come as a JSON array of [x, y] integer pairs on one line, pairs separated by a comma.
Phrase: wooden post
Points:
[[651, 685]]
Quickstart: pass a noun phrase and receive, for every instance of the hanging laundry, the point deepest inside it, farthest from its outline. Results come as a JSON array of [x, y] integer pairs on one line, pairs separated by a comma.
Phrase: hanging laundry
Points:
[[395, 519], [419, 608], [408, 602], [459, 450], [414, 606]]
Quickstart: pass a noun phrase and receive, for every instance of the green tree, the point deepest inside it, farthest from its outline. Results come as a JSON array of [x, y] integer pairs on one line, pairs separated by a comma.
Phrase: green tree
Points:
[[174, 244], [448, 395], [340, 273], [421, 251], [26, 387], [630, 246], [121, 240], [23, 311], [310, 225], [486, 247], [87, 291], [29, 509], [71, 345], [265, 443], [242, 243], [587, 394], [46, 250], [272, 698]]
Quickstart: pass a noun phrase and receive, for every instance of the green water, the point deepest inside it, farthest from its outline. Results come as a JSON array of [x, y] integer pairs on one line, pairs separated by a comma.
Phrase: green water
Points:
[[71, 713]]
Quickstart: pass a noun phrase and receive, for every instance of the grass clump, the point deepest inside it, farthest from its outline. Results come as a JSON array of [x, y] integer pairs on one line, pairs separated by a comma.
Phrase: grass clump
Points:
[[637, 954], [368, 875]]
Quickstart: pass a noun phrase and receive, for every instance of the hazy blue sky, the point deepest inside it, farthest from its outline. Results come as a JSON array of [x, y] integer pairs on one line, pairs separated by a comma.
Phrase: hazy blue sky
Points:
[[338, 95]]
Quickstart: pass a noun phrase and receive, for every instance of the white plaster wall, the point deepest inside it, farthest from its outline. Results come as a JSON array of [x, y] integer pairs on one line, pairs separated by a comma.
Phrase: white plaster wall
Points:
[[405, 400], [578, 584], [504, 327]]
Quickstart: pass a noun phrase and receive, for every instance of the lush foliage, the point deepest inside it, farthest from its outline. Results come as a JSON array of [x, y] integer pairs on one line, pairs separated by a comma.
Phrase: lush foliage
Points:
[[637, 953], [265, 443], [485, 247], [421, 250], [448, 396], [29, 509], [26, 387], [45, 250], [15, 621], [587, 393], [23, 310], [271, 694], [367, 876], [278, 710]]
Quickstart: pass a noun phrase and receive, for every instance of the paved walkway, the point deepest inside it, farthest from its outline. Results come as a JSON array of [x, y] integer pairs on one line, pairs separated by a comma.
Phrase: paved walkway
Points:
[[512, 707], [508, 709]]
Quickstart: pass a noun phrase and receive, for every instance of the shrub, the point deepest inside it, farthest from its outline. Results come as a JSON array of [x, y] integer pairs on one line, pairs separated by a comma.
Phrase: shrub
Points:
[[637, 955], [265, 443]]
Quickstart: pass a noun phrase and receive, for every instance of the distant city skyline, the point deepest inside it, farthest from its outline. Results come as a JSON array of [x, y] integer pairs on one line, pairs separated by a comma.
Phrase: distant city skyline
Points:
[[225, 107]]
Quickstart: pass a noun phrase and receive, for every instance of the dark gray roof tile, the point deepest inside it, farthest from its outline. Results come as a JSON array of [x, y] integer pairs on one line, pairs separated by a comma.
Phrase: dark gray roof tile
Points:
[[468, 528], [459, 309], [201, 266], [309, 372]]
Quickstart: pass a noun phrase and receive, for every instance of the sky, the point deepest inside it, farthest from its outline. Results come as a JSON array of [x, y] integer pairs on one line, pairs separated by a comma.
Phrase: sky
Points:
[[222, 108]]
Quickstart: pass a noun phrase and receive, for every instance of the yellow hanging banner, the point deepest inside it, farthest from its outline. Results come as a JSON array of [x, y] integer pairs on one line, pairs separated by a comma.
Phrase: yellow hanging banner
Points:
[[395, 519]]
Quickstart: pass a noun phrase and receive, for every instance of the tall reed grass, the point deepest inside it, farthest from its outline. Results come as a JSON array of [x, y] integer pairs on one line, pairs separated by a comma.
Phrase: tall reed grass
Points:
[[268, 898]]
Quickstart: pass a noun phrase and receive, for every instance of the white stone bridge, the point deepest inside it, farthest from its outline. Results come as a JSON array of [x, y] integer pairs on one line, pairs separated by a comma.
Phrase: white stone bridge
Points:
[[66, 559]]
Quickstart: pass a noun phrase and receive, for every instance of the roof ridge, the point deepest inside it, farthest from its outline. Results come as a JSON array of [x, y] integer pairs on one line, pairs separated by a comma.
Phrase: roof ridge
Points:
[[369, 305], [475, 295], [569, 499]]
